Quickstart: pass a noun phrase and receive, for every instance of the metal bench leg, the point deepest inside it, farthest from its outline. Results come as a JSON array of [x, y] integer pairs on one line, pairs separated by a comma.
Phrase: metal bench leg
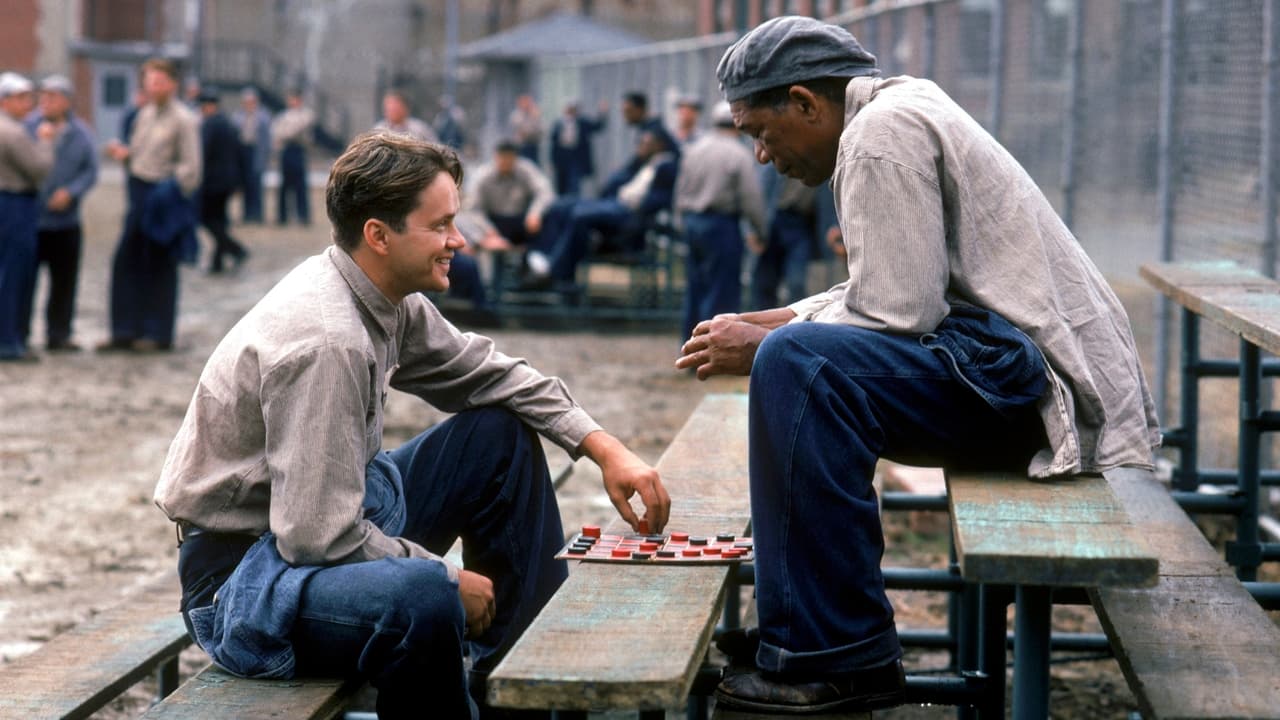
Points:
[[653, 715], [1246, 552], [1031, 653], [994, 602], [166, 678]]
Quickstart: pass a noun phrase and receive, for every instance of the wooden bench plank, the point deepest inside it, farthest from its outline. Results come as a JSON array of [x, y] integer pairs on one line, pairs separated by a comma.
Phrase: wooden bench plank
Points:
[[214, 694], [1013, 531], [1243, 301], [633, 636], [1196, 645], [85, 667]]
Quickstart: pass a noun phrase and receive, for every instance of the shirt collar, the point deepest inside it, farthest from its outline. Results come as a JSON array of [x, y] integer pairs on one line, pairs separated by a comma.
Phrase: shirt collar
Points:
[[857, 94], [383, 311]]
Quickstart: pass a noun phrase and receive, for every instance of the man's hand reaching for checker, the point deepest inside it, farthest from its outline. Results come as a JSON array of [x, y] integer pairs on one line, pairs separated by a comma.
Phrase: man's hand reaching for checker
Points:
[[625, 475]]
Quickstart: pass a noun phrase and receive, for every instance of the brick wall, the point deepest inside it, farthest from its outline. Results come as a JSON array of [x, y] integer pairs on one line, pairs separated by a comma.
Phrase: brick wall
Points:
[[19, 43]]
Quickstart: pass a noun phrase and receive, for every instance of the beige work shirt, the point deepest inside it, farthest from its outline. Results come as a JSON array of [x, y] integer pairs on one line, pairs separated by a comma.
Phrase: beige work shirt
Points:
[[24, 161], [719, 174], [292, 126], [166, 143], [289, 410], [933, 211], [523, 191]]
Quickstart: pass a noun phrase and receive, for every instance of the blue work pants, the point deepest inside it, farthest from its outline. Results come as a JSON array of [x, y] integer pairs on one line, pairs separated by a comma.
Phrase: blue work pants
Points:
[[713, 267], [144, 279], [785, 260], [18, 215], [826, 401], [398, 622]]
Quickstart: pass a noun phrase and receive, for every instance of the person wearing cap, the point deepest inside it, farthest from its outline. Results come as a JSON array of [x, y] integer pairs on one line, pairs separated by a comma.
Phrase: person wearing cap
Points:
[[688, 113], [572, 159], [716, 189], [972, 332], [59, 236], [254, 124], [626, 207], [291, 135], [308, 549], [222, 177], [24, 163], [163, 163]]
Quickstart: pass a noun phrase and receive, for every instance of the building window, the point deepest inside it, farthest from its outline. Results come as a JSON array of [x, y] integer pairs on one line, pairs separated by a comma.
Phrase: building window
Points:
[[1050, 25], [975, 36]]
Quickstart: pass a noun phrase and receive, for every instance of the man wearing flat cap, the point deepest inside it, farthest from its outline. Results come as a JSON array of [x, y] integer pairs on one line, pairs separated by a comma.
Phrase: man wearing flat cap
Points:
[[24, 163], [59, 236], [972, 331]]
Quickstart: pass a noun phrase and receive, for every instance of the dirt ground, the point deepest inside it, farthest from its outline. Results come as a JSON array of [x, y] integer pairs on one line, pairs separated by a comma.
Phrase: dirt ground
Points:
[[83, 437]]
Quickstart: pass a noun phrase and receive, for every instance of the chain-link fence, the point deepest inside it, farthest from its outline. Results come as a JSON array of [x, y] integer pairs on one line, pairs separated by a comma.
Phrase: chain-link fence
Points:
[[1142, 120]]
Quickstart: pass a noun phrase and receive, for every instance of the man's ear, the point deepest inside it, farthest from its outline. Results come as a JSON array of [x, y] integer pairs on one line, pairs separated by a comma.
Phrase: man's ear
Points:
[[809, 105], [374, 233]]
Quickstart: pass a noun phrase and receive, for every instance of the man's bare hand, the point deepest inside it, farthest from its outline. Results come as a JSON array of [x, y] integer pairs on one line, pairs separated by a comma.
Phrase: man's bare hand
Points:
[[476, 592], [46, 131], [755, 244], [533, 223], [727, 344], [60, 200], [117, 151], [626, 475]]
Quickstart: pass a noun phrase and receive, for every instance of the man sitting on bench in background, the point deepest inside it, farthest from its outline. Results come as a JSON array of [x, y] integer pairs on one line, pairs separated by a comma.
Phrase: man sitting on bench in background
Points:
[[305, 547], [512, 193], [973, 331]]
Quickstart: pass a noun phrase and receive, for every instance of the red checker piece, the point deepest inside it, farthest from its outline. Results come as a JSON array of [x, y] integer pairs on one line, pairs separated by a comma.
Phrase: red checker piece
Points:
[[591, 531], [713, 550], [621, 553], [691, 552], [679, 537], [733, 553], [648, 547], [642, 526]]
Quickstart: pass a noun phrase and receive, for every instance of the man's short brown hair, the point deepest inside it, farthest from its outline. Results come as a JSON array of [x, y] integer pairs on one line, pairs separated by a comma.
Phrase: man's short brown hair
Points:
[[159, 64], [380, 175]]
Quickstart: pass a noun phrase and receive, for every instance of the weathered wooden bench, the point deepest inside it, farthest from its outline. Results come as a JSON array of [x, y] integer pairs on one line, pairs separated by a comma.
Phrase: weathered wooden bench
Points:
[[84, 668], [1246, 304], [1036, 537], [1196, 645], [632, 637]]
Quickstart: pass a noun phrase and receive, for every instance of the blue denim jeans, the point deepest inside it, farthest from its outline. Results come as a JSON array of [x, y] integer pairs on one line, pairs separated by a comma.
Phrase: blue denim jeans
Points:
[[785, 258], [144, 278], [826, 401], [18, 215], [713, 267], [397, 622]]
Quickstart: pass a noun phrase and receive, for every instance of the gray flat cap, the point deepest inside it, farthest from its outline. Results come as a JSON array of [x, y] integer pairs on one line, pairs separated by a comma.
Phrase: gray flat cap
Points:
[[788, 50], [57, 83], [12, 83]]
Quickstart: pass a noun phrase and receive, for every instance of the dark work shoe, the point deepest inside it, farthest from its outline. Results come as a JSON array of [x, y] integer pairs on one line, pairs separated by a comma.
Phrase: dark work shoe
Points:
[[858, 691]]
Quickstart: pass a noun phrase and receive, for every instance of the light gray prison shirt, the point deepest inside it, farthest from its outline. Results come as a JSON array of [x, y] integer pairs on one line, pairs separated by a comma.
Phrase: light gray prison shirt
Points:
[[288, 411], [24, 161], [934, 211], [718, 174], [166, 143], [524, 191]]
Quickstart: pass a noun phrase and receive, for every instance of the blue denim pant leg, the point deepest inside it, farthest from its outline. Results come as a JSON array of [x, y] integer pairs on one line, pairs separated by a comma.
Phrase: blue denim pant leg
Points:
[[465, 281], [481, 476], [786, 258], [825, 402], [713, 267], [606, 215], [18, 215]]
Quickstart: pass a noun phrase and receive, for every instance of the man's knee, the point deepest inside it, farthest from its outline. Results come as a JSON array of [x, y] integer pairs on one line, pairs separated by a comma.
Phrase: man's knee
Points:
[[419, 599], [784, 348]]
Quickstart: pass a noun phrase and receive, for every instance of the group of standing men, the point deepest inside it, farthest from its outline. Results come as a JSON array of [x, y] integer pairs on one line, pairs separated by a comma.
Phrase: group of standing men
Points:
[[180, 168], [47, 164]]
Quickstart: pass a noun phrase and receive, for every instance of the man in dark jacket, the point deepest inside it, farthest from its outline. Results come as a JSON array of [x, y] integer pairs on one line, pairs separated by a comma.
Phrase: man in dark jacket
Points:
[[221, 180], [571, 147]]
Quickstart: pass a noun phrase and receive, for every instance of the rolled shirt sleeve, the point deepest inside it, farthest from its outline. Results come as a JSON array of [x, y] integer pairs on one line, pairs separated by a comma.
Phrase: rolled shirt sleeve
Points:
[[454, 371]]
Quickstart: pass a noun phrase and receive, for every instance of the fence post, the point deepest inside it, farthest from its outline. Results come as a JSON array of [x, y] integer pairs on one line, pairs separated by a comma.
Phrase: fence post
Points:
[[996, 109], [1075, 96], [1270, 148], [1165, 185], [929, 60]]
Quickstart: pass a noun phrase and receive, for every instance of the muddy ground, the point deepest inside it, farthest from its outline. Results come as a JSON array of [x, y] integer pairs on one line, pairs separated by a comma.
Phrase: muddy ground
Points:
[[83, 437]]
